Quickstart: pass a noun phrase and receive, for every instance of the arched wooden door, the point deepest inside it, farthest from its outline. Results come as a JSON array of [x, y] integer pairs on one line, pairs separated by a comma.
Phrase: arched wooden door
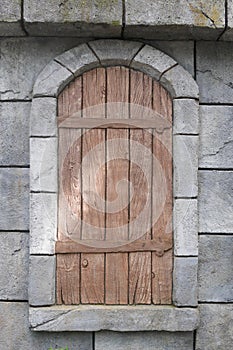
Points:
[[109, 249]]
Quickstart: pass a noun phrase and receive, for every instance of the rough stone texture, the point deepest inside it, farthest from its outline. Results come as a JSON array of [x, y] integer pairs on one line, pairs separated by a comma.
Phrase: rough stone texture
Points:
[[185, 227], [14, 144], [41, 289], [10, 18], [216, 137], [152, 61], [115, 318], [180, 51], [215, 268], [51, 80], [43, 223], [98, 18], [216, 329], [186, 118], [14, 266], [185, 150], [43, 169], [177, 20], [43, 118], [16, 334], [180, 83], [148, 341], [14, 190], [185, 281], [215, 201], [228, 35], [114, 52], [214, 72], [22, 59], [78, 59]]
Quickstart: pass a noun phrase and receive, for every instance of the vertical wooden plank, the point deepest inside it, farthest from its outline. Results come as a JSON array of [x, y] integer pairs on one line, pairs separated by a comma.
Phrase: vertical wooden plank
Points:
[[140, 263], [162, 149], [68, 279], [69, 207], [92, 265], [117, 170]]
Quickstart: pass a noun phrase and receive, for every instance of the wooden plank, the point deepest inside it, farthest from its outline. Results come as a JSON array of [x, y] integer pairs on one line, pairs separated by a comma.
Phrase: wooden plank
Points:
[[68, 279], [162, 149], [94, 246], [117, 170], [140, 177], [92, 278], [93, 181]]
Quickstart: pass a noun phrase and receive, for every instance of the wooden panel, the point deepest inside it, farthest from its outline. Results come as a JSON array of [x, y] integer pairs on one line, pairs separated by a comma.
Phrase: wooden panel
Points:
[[117, 264], [162, 149], [92, 276], [140, 263], [68, 279]]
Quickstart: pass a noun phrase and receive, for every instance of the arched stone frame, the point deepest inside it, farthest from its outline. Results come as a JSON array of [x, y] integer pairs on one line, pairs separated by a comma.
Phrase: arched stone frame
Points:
[[44, 315]]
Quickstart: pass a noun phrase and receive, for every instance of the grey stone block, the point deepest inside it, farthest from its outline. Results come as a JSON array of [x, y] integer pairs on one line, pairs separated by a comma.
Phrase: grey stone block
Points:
[[14, 266], [215, 201], [185, 227], [216, 137], [43, 223], [185, 158], [22, 59], [43, 160], [115, 318], [228, 34], [53, 78], [10, 18], [185, 281], [177, 20], [98, 18], [148, 341], [180, 51], [214, 72], [43, 120], [180, 83], [186, 116], [113, 52], [14, 192], [14, 143], [78, 59], [41, 289], [215, 331], [152, 61], [215, 268], [16, 334]]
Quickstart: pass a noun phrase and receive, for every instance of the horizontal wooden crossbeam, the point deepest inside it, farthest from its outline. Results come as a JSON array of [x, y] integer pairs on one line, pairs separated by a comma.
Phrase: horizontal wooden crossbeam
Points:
[[158, 246]]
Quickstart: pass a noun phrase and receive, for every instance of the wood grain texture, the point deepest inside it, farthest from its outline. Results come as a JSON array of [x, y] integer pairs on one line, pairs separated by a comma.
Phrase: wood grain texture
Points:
[[68, 279]]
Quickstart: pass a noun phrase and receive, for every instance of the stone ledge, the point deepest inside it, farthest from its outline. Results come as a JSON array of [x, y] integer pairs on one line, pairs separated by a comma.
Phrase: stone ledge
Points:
[[115, 318]]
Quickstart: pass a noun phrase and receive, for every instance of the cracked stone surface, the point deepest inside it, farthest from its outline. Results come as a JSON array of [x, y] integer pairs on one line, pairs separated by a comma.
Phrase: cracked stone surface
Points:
[[16, 334], [98, 18], [215, 201], [14, 143], [214, 72], [14, 265], [139, 340], [22, 59], [216, 329], [195, 19], [216, 146], [14, 193], [215, 268]]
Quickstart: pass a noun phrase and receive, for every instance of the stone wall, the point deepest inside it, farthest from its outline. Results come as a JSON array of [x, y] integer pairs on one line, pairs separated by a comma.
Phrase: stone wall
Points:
[[210, 63]]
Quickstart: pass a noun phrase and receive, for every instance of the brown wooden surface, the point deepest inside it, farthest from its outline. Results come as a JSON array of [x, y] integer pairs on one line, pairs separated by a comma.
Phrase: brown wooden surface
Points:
[[136, 272]]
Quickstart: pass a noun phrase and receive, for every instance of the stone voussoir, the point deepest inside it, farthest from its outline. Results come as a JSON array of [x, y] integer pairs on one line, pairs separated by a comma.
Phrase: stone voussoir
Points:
[[41, 289], [112, 52]]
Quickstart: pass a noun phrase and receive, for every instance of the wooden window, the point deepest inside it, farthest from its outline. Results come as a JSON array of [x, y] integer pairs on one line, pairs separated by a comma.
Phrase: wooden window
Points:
[[108, 147]]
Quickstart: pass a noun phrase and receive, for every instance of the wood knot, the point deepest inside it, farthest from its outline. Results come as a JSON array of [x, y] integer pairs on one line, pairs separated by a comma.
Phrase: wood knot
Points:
[[85, 263]]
